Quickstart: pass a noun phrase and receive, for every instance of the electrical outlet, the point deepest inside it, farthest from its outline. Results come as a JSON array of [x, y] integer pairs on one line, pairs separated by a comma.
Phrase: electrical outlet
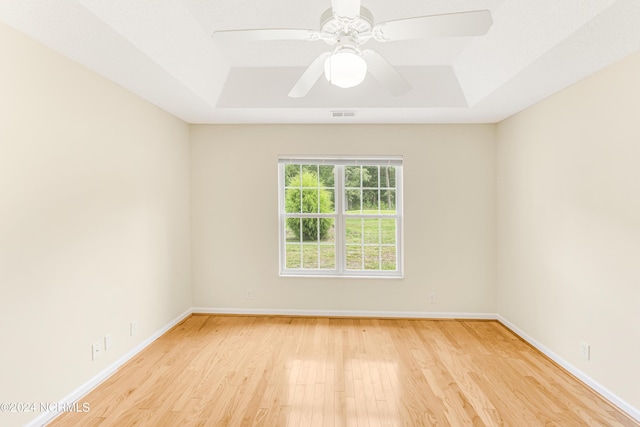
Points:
[[96, 350], [432, 297], [108, 341], [585, 351], [249, 294], [133, 327]]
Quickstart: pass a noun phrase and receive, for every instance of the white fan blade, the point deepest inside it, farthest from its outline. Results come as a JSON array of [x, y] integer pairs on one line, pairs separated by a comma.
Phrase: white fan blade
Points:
[[267, 34], [385, 73], [349, 9], [475, 23], [310, 76]]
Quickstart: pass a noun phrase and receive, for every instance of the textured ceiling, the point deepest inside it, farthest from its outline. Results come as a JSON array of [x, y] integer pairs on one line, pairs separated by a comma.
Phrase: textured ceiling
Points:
[[164, 52]]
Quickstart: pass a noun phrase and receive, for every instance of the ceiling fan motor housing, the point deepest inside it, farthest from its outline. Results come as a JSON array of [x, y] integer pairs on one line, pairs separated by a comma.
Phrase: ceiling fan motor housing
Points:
[[333, 27]]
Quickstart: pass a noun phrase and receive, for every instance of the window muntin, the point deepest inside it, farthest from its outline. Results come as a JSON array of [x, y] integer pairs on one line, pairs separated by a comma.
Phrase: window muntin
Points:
[[340, 217]]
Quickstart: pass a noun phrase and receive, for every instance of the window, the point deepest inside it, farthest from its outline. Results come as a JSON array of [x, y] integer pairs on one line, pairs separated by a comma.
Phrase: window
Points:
[[340, 216]]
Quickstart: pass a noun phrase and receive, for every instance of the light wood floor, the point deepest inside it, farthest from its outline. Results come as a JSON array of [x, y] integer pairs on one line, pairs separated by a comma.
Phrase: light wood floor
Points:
[[283, 371]]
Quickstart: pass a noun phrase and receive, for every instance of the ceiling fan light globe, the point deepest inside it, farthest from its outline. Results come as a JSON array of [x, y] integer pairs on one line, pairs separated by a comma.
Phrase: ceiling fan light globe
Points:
[[345, 69]]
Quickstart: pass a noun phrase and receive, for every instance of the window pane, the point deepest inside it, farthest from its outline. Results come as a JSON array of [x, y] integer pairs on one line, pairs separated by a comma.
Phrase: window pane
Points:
[[352, 176], [328, 257], [310, 201], [327, 201], [370, 201], [292, 200], [372, 258], [292, 175], [352, 202], [309, 175], [292, 256], [353, 232], [327, 176], [388, 257], [371, 231], [327, 230], [310, 229], [370, 176], [354, 257], [388, 201], [293, 230], [309, 256], [388, 177], [388, 231]]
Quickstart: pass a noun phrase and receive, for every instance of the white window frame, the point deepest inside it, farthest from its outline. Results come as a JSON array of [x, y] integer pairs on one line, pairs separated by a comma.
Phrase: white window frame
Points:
[[339, 216]]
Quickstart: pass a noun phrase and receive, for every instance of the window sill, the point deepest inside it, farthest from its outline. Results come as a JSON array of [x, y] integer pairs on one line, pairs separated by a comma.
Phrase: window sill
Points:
[[341, 276]]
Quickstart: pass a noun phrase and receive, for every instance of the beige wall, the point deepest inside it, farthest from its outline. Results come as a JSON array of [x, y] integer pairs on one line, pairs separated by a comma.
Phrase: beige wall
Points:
[[569, 225], [94, 222], [449, 205]]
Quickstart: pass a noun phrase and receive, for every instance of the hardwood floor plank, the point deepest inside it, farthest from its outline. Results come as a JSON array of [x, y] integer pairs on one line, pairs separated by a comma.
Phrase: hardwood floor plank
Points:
[[317, 412], [294, 371], [329, 404]]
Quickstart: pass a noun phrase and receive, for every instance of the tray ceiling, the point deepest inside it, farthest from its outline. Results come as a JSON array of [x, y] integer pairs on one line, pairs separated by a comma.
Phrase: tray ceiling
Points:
[[164, 52]]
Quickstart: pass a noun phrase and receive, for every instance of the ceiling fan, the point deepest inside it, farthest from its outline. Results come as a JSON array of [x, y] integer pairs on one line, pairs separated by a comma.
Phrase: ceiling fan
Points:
[[348, 25]]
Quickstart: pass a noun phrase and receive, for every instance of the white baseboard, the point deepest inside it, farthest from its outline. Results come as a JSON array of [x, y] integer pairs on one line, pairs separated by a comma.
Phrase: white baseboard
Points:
[[345, 313], [615, 400], [111, 369], [81, 391]]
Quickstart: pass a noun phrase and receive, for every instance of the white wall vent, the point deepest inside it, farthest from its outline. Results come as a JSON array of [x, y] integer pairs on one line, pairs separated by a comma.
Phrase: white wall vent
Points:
[[343, 113]]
